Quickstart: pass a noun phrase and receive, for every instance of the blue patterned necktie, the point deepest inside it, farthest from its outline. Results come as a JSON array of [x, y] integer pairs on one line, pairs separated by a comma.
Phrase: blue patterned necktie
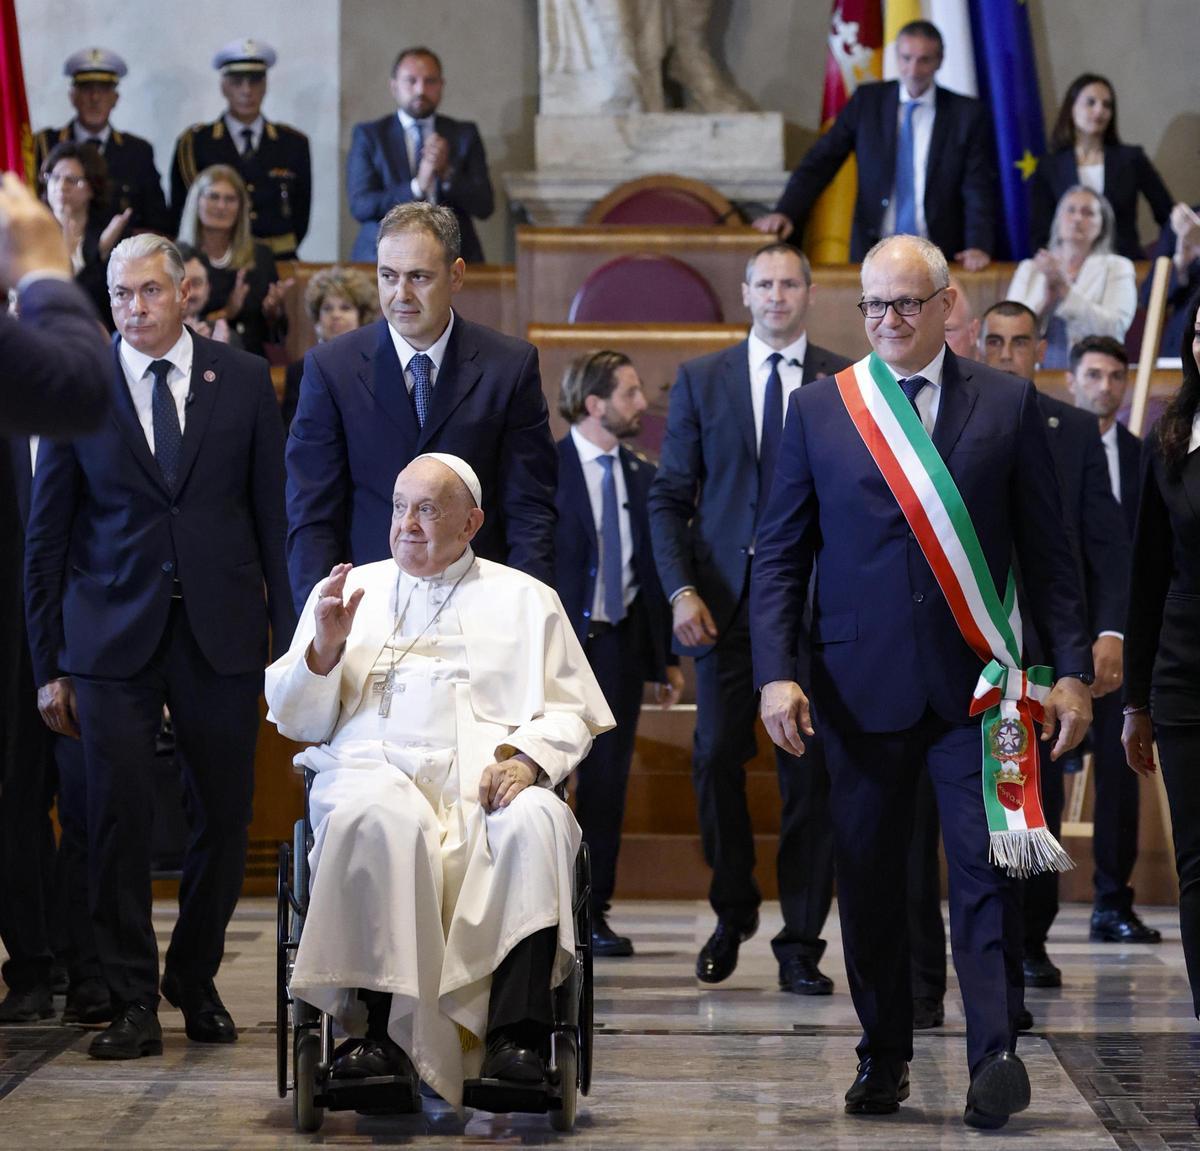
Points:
[[772, 430], [906, 177], [419, 131], [168, 437], [611, 566], [911, 387], [421, 367]]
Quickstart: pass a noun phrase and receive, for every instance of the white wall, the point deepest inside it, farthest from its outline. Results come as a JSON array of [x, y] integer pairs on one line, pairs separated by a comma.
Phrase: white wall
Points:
[[171, 84]]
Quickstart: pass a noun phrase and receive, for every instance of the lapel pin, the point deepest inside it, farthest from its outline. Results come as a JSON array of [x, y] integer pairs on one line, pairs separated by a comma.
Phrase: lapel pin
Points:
[[1053, 421], [210, 375]]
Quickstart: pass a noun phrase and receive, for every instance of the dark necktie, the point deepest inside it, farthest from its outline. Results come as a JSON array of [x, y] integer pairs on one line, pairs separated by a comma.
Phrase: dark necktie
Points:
[[911, 387], [611, 566], [906, 176], [419, 130], [772, 430], [168, 438], [96, 142], [247, 142], [421, 366]]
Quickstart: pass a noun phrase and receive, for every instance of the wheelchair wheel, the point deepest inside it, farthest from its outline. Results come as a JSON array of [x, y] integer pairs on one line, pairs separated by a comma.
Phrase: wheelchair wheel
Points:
[[282, 999], [308, 1115], [566, 1065], [583, 958]]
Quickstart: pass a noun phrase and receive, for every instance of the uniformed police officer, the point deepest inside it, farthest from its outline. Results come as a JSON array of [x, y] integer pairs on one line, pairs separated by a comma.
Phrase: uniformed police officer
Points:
[[133, 179], [272, 159]]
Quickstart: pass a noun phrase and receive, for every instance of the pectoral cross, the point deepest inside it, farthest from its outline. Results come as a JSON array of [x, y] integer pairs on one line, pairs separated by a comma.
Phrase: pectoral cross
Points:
[[384, 689]]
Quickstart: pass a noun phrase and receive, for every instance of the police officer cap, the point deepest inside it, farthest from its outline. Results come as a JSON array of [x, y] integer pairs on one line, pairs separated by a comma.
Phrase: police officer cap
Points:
[[94, 66], [242, 56]]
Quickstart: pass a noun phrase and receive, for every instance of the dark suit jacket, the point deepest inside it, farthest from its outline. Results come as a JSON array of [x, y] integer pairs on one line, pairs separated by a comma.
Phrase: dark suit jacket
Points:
[[1162, 635], [577, 552], [1127, 172], [378, 176], [960, 185], [704, 502], [107, 539], [53, 362], [356, 428], [133, 179], [1129, 458], [885, 646]]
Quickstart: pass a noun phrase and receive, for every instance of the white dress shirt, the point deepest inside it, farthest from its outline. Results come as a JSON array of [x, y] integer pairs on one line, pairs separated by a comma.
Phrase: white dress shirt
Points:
[[414, 160], [929, 398], [791, 373], [436, 352], [235, 128], [593, 475], [1109, 440], [139, 378], [82, 135], [1092, 176], [922, 126]]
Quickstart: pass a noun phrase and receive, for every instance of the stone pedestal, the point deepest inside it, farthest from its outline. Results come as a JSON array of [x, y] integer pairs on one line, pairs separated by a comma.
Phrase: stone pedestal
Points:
[[580, 159]]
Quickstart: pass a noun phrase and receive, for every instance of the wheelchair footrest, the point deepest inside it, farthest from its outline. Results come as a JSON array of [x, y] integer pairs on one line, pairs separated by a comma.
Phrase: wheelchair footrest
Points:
[[380, 1094], [500, 1096]]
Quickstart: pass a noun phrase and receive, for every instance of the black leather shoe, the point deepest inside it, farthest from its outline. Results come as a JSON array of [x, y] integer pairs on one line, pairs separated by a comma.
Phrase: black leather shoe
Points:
[[1039, 971], [505, 1059], [133, 1033], [28, 1006], [606, 943], [719, 956], [204, 1015], [999, 1088], [928, 1013], [801, 976], [1121, 927], [88, 1003], [372, 1059], [1025, 1020], [881, 1086]]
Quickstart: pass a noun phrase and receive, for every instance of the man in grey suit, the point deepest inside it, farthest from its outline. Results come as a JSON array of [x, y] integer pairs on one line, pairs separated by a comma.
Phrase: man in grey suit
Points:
[[413, 154], [723, 429]]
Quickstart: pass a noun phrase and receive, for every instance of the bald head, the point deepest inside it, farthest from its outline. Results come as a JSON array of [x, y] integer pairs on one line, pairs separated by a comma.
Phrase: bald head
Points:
[[434, 517], [962, 325]]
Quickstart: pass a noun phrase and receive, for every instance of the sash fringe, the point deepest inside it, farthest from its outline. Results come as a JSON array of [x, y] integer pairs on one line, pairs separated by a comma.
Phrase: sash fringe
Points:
[[1027, 851]]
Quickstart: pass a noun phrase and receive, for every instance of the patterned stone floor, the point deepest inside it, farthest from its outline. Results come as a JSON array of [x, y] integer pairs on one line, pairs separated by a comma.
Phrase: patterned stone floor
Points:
[[1115, 1058]]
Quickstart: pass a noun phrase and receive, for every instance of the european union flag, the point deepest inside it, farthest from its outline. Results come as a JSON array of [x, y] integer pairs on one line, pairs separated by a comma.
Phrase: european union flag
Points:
[[1007, 73]]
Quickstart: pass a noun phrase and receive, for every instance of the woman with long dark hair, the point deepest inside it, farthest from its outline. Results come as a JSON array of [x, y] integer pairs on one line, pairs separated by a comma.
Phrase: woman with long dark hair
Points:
[[1162, 637], [1085, 149]]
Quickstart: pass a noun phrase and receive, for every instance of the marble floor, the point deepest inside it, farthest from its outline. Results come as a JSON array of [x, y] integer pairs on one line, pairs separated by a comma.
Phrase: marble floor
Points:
[[1114, 1058]]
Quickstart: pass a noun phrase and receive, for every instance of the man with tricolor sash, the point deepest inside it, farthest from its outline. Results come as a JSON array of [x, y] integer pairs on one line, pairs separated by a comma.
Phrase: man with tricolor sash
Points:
[[909, 482]]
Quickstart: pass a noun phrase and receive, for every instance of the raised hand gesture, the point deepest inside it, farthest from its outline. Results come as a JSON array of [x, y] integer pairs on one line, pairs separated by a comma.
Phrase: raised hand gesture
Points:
[[334, 618]]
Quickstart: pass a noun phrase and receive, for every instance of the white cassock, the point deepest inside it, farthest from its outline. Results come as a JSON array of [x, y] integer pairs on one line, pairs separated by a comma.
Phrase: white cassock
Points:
[[416, 890]]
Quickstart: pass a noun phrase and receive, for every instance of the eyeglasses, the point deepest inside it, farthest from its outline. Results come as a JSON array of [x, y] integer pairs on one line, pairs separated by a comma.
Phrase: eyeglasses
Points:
[[904, 306], [221, 198], [67, 181]]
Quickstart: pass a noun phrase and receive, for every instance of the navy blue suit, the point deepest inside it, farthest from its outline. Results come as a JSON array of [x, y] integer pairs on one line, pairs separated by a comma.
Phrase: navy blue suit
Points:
[[1128, 173], [960, 189], [379, 176], [355, 430], [624, 657], [704, 505], [146, 595], [892, 677]]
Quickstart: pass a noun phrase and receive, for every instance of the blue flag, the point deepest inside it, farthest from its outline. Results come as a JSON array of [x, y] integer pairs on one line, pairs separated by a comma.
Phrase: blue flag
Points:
[[1007, 73]]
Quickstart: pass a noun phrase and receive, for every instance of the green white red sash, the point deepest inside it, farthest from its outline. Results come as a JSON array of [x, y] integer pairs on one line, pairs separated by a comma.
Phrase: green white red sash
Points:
[[1009, 697]]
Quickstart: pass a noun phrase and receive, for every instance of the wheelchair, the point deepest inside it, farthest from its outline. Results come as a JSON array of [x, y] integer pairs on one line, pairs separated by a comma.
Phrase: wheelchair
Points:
[[306, 1051]]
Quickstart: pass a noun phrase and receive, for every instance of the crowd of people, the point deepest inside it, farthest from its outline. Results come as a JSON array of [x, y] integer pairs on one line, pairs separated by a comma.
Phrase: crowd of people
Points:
[[462, 613]]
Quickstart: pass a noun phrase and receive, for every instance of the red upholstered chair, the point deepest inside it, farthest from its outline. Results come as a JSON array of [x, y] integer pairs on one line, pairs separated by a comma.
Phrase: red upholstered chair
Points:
[[665, 200], [645, 289]]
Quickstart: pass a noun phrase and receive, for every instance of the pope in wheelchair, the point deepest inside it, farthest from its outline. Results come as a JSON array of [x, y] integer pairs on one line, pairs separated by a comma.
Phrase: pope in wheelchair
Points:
[[445, 696]]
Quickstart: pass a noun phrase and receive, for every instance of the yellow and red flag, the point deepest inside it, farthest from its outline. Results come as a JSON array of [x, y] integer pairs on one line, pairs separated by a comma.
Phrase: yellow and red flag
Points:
[[855, 56], [16, 136]]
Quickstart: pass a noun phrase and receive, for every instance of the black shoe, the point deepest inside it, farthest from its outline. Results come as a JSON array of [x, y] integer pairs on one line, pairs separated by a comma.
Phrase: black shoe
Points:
[[1025, 1020], [1121, 927], [999, 1088], [606, 943], [133, 1033], [28, 1006], [881, 1086], [719, 956], [60, 980], [372, 1059], [88, 1003], [1039, 971], [927, 1013], [506, 1059], [204, 1015], [801, 976]]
